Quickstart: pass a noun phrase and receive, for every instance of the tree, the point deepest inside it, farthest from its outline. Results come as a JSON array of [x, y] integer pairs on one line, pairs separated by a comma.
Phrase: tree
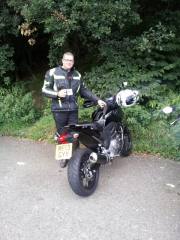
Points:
[[8, 31], [133, 40]]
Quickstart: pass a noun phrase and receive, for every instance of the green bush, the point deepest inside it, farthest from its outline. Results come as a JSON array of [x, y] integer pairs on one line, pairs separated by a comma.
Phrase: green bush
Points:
[[158, 138], [6, 62], [152, 131], [17, 106]]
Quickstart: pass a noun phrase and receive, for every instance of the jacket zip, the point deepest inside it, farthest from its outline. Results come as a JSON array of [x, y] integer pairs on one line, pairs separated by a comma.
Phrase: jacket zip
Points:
[[69, 84]]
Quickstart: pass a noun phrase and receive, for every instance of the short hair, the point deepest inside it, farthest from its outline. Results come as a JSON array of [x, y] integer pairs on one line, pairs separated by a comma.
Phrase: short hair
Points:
[[68, 53]]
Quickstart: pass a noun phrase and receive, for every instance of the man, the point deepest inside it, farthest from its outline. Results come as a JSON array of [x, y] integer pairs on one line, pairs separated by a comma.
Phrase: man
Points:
[[63, 84]]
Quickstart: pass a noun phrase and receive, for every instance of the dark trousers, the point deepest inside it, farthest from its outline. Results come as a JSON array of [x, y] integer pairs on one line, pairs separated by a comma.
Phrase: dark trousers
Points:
[[65, 118]]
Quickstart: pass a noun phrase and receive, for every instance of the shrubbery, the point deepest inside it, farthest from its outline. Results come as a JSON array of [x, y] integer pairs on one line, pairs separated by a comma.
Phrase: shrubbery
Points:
[[115, 41], [17, 106]]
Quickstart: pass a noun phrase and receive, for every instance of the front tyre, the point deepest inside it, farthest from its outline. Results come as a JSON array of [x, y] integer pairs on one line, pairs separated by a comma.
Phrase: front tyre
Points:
[[82, 176], [127, 143]]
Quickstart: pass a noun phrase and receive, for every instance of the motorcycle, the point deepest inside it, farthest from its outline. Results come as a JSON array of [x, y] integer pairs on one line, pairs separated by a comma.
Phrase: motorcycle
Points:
[[101, 140]]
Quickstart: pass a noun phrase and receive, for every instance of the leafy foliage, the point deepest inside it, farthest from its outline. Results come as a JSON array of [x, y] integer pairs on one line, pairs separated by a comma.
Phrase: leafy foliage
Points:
[[157, 138], [143, 62], [17, 106], [8, 29], [6, 62], [137, 41], [77, 24]]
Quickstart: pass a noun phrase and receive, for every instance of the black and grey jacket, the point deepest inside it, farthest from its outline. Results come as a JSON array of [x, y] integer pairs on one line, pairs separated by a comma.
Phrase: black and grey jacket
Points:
[[59, 78]]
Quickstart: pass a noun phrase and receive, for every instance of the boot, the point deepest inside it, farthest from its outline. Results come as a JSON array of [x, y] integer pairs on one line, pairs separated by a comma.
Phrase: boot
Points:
[[63, 163]]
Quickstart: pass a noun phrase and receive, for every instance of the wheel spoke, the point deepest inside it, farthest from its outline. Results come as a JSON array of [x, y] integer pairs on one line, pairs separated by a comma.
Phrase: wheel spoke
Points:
[[85, 182], [88, 175]]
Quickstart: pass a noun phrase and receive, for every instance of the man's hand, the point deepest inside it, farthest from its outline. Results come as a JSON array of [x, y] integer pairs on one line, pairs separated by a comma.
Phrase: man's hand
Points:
[[62, 93], [101, 103]]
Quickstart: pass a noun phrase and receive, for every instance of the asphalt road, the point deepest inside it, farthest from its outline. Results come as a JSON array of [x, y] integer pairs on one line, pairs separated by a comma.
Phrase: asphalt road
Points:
[[138, 198]]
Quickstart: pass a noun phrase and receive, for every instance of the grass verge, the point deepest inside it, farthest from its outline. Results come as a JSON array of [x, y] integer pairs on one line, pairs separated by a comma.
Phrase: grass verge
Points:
[[156, 138]]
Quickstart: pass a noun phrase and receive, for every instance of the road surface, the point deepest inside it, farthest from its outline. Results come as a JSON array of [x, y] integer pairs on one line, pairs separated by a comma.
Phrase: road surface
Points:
[[138, 198]]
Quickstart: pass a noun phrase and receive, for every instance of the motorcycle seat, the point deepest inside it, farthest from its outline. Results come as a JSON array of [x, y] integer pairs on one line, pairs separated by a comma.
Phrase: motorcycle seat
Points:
[[83, 125]]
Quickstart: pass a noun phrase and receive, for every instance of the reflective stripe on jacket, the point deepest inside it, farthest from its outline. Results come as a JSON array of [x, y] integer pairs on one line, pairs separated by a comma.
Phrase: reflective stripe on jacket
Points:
[[59, 78]]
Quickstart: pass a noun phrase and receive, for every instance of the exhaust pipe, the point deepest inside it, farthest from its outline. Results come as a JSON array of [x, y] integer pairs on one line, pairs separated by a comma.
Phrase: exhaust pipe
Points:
[[98, 158]]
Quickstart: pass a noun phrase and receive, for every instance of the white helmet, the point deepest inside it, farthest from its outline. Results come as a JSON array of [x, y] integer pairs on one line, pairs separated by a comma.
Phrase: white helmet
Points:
[[127, 98]]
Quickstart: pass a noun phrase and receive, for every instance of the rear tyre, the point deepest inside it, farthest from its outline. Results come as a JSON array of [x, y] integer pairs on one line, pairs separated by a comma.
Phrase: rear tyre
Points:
[[82, 177], [127, 143]]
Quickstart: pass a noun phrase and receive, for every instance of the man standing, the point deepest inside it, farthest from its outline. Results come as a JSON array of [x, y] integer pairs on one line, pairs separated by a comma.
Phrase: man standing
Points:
[[63, 84]]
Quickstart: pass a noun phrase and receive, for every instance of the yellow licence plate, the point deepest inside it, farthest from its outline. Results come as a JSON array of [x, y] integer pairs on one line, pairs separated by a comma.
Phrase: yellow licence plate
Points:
[[63, 151]]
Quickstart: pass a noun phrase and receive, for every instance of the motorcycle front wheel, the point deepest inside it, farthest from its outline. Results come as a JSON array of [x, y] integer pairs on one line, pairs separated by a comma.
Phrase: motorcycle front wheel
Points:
[[127, 144], [82, 176]]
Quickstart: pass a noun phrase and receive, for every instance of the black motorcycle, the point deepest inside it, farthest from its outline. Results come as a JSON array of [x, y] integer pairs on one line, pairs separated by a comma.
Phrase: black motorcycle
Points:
[[88, 145]]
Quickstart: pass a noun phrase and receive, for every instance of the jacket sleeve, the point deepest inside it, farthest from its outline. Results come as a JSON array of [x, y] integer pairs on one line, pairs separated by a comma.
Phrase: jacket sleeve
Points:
[[48, 86], [85, 93]]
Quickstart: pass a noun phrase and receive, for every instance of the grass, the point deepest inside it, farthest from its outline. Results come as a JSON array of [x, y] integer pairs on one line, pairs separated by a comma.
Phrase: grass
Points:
[[13, 129], [43, 129], [156, 138]]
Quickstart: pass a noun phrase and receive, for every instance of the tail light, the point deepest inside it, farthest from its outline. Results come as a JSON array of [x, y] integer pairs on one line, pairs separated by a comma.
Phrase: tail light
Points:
[[67, 138]]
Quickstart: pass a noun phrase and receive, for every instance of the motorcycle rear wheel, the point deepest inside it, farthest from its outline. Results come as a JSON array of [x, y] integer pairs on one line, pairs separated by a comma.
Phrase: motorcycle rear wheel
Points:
[[82, 177]]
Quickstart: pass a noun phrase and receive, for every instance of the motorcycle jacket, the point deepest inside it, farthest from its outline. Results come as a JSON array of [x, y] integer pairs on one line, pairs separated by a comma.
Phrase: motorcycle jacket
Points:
[[59, 78]]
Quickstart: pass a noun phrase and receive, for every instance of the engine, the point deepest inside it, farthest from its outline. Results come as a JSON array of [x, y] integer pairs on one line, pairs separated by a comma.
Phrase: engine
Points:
[[113, 140]]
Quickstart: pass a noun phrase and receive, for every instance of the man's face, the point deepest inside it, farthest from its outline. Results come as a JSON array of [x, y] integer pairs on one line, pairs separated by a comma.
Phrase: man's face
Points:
[[67, 62]]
